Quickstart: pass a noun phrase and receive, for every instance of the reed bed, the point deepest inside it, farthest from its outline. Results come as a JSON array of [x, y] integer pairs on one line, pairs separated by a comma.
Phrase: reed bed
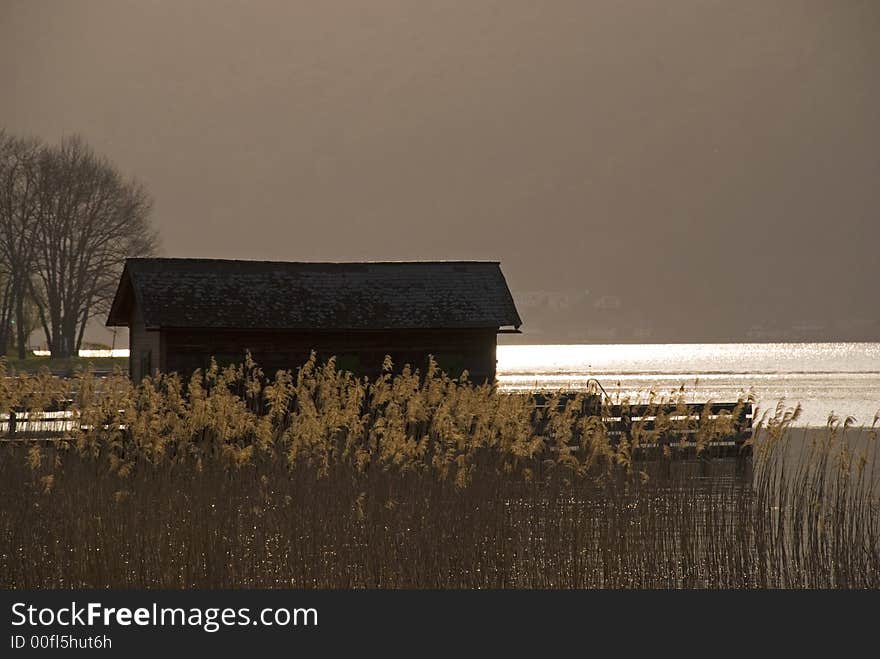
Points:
[[316, 479]]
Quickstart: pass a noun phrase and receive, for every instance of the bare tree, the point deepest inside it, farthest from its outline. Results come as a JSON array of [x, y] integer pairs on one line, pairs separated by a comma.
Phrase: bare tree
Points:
[[19, 196], [7, 304], [89, 219]]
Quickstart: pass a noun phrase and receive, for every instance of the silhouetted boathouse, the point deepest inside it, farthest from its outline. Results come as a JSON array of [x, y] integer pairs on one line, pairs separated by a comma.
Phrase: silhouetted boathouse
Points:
[[182, 312]]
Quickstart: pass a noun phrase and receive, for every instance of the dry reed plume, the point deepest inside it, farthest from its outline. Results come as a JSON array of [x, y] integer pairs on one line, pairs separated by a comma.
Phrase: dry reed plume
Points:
[[317, 479]]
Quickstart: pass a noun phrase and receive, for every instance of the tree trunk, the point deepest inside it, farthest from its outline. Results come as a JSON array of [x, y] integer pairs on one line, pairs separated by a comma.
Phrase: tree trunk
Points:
[[67, 338], [20, 323], [4, 331], [6, 304], [80, 334], [45, 326]]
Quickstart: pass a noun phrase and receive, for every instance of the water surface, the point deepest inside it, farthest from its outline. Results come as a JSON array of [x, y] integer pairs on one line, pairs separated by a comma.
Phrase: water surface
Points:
[[843, 378]]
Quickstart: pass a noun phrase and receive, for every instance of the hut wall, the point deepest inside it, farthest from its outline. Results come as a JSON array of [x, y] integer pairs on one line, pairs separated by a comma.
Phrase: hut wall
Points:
[[361, 352], [145, 347]]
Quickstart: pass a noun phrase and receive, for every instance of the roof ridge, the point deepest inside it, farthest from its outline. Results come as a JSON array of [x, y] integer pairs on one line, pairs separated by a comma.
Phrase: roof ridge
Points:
[[219, 260]]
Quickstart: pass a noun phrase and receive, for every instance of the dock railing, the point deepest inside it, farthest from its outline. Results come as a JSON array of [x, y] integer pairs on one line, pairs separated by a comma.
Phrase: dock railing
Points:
[[678, 428]]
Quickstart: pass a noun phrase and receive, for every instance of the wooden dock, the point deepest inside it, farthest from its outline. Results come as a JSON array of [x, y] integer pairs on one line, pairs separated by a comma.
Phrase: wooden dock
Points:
[[679, 429]]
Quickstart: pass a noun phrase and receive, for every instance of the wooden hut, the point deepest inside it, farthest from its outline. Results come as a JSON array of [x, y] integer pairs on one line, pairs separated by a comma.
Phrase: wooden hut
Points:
[[183, 312]]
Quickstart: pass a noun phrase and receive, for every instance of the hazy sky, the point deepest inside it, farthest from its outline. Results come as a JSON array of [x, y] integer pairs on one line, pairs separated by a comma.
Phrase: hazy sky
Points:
[[700, 158]]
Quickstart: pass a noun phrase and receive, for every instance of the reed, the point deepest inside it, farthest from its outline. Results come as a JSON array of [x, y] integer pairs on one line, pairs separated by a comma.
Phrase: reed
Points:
[[316, 479]]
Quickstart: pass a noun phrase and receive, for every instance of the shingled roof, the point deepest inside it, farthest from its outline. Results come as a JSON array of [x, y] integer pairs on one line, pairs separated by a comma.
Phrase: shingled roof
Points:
[[213, 293]]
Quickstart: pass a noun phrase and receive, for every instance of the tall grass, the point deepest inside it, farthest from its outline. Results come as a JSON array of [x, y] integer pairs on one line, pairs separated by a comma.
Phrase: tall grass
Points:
[[317, 479]]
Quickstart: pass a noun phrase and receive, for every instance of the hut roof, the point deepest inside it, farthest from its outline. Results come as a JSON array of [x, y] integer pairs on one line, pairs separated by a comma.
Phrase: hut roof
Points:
[[228, 294]]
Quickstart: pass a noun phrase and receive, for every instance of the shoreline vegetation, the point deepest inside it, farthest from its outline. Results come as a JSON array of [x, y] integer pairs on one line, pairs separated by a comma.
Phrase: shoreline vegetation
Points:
[[66, 366], [315, 479]]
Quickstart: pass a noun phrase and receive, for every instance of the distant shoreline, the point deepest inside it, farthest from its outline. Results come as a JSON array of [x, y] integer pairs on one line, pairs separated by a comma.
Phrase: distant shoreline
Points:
[[512, 340]]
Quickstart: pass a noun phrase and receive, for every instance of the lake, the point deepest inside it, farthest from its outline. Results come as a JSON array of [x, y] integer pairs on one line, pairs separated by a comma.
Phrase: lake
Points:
[[843, 378]]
